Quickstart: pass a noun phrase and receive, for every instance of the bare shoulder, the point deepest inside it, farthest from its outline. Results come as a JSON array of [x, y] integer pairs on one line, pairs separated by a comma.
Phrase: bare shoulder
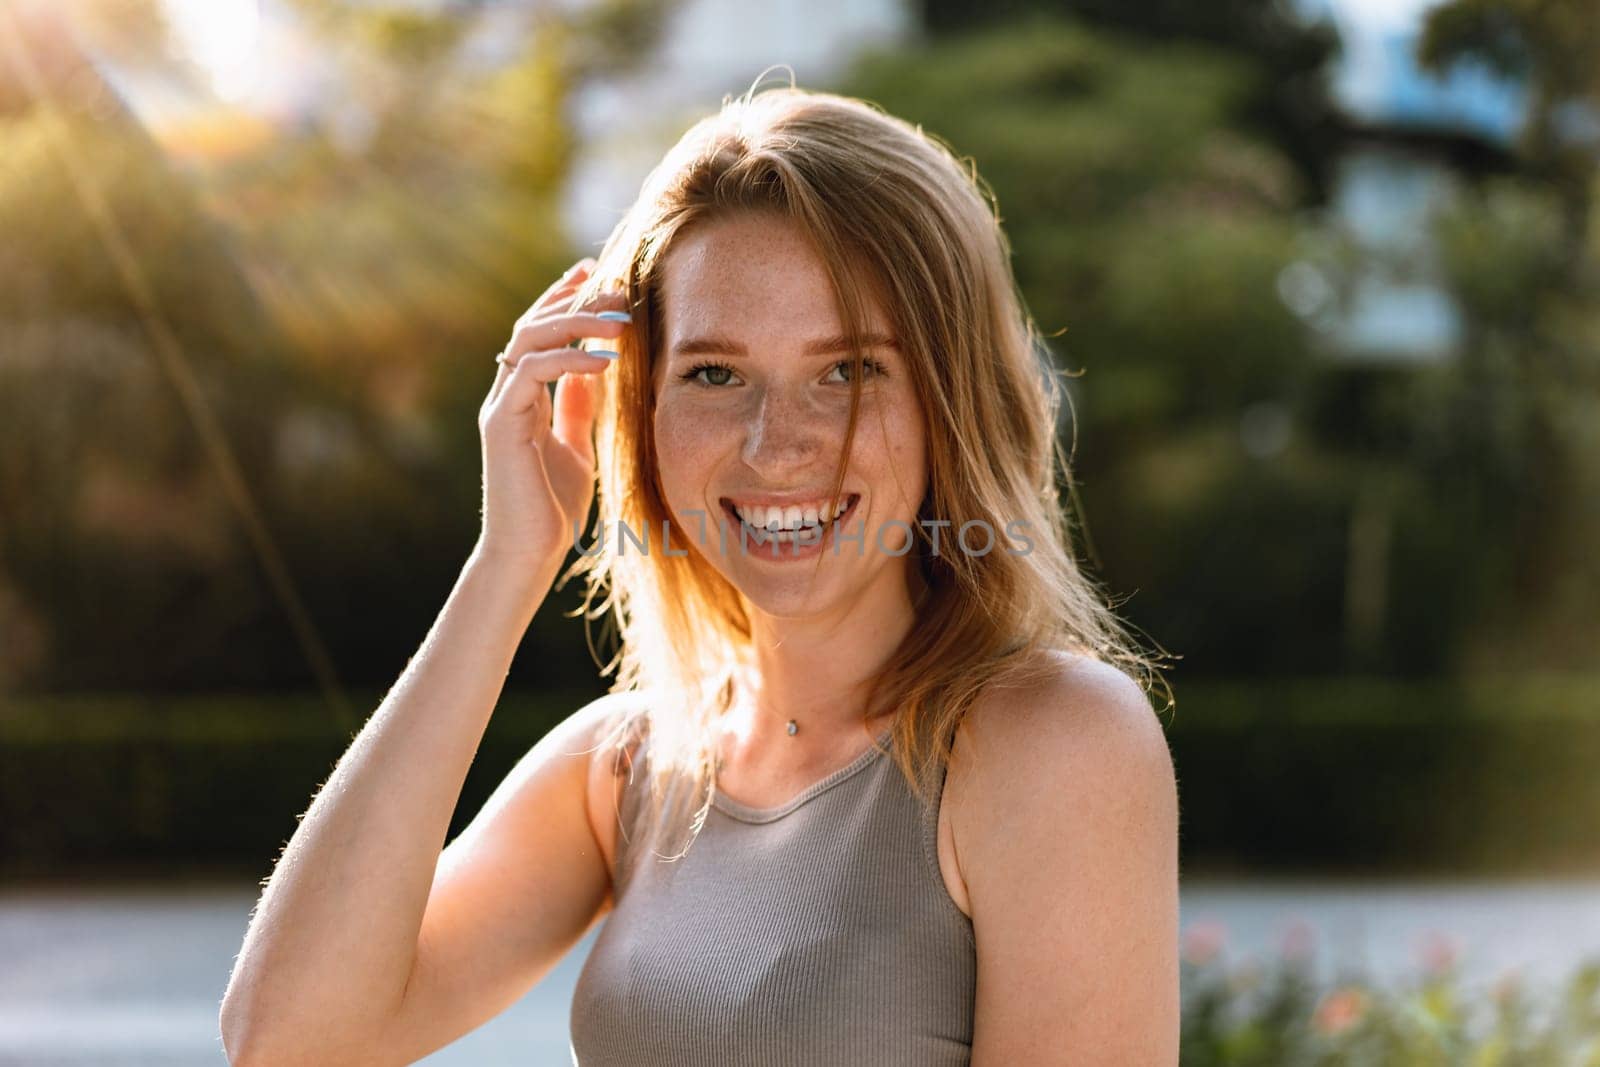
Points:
[[591, 747], [1077, 741], [1071, 710], [1066, 836], [592, 724], [571, 762], [593, 729]]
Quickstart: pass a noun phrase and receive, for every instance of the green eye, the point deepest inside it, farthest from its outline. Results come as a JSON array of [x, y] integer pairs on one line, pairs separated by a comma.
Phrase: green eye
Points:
[[872, 367], [722, 369]]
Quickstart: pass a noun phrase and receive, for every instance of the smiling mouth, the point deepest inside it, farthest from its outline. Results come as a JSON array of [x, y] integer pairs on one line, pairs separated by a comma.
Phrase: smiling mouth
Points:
[[805, 529]]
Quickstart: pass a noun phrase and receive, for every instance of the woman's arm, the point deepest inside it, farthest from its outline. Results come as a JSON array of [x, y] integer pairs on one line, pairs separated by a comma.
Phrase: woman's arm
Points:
[[332, 943], [1066, 829], [357, 953]]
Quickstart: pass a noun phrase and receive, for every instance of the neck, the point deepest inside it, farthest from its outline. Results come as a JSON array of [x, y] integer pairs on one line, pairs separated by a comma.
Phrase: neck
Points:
[[814, 670]]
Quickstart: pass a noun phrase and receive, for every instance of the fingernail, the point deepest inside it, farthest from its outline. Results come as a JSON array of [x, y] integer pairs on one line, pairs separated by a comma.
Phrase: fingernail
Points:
[[603, 353], [614, 316]]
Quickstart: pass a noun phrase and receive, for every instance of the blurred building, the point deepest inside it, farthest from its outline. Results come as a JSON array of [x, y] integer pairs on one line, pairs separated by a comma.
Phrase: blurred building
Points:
[[1410, 137], [709, 49]]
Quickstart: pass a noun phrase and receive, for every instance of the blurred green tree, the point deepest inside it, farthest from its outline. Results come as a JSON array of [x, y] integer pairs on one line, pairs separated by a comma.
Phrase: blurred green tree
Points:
[[1522, 257], [1150, 223], [1276, 508], [335, 285], [1288, 102]]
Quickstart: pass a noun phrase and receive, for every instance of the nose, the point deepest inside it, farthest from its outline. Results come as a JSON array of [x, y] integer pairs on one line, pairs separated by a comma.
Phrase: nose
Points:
[[784, 436]]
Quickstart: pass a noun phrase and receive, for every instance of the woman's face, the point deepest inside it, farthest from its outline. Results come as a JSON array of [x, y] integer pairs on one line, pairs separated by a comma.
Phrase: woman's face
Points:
[[752, 403]]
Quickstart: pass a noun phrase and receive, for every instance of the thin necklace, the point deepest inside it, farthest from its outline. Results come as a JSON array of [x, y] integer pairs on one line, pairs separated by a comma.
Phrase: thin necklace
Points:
[[792, 727]]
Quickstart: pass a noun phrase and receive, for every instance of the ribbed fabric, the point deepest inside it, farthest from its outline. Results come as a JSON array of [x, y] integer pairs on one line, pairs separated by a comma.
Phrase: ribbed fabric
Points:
[[816, 932]]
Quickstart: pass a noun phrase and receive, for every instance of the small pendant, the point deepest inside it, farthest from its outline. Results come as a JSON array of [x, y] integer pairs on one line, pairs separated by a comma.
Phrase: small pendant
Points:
[[794, 727]]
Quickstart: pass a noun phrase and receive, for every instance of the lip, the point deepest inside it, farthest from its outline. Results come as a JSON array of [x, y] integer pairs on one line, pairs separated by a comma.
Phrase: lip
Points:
[[779, 551]]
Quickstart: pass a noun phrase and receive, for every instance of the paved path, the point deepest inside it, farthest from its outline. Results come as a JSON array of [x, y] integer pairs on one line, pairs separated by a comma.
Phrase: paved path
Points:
[[133, 976]]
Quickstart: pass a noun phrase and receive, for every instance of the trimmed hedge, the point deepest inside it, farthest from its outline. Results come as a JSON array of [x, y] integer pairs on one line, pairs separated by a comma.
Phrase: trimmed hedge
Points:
[[1367, 776], [1312, 775], [123, 786]]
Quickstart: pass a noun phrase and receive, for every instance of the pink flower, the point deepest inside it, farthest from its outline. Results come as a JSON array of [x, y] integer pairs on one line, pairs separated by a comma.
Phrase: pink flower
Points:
[[1299, 941], [1203, 940], [1340, 1010], [1438, 953], [1507, 986]]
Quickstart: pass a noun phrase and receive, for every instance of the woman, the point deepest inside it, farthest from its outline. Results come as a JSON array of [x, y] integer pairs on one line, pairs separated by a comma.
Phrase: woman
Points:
[[877, 782]]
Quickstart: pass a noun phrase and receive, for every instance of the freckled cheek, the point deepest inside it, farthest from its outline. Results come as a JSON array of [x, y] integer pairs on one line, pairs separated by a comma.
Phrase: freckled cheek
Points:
[[688, 443], [895, 454]]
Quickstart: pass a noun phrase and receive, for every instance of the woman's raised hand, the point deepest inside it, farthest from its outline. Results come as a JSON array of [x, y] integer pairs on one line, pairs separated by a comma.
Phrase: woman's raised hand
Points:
[[538, 456]]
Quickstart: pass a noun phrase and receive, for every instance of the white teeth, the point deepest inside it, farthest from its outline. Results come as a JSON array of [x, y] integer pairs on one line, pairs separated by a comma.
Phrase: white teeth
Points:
[[787, 519]]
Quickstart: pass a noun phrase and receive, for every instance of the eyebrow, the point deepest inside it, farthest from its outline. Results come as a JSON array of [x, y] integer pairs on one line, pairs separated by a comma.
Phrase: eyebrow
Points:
[[722, 346]]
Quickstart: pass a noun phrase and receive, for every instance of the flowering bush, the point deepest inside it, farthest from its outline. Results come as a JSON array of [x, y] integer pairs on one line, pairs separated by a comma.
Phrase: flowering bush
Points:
[[1280, 1015]]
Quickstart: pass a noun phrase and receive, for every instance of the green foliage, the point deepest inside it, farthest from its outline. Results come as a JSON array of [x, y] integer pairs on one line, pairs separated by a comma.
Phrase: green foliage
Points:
[[93, 785], [1499, 251], [1310, 774], [1289, 104], [1279, 1015], [1276, 506], [1140, 218], [1150, 226], [1512, 434], [1523, 257], [1548, 44], [1374, 775], [333, 289]]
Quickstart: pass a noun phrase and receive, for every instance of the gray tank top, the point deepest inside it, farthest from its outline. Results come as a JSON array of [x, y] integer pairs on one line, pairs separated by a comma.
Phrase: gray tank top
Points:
[[816, 932]]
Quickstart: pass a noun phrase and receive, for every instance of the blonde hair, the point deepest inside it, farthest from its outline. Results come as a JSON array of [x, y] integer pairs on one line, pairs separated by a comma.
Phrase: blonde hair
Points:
[[892, 211]]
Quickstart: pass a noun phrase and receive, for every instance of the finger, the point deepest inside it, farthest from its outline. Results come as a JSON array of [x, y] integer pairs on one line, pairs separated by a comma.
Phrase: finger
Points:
[[576, 402], [503, 369], [535, 370], [572, 301], [568, 283], [560, 294], [554, 331], [557, 301]]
